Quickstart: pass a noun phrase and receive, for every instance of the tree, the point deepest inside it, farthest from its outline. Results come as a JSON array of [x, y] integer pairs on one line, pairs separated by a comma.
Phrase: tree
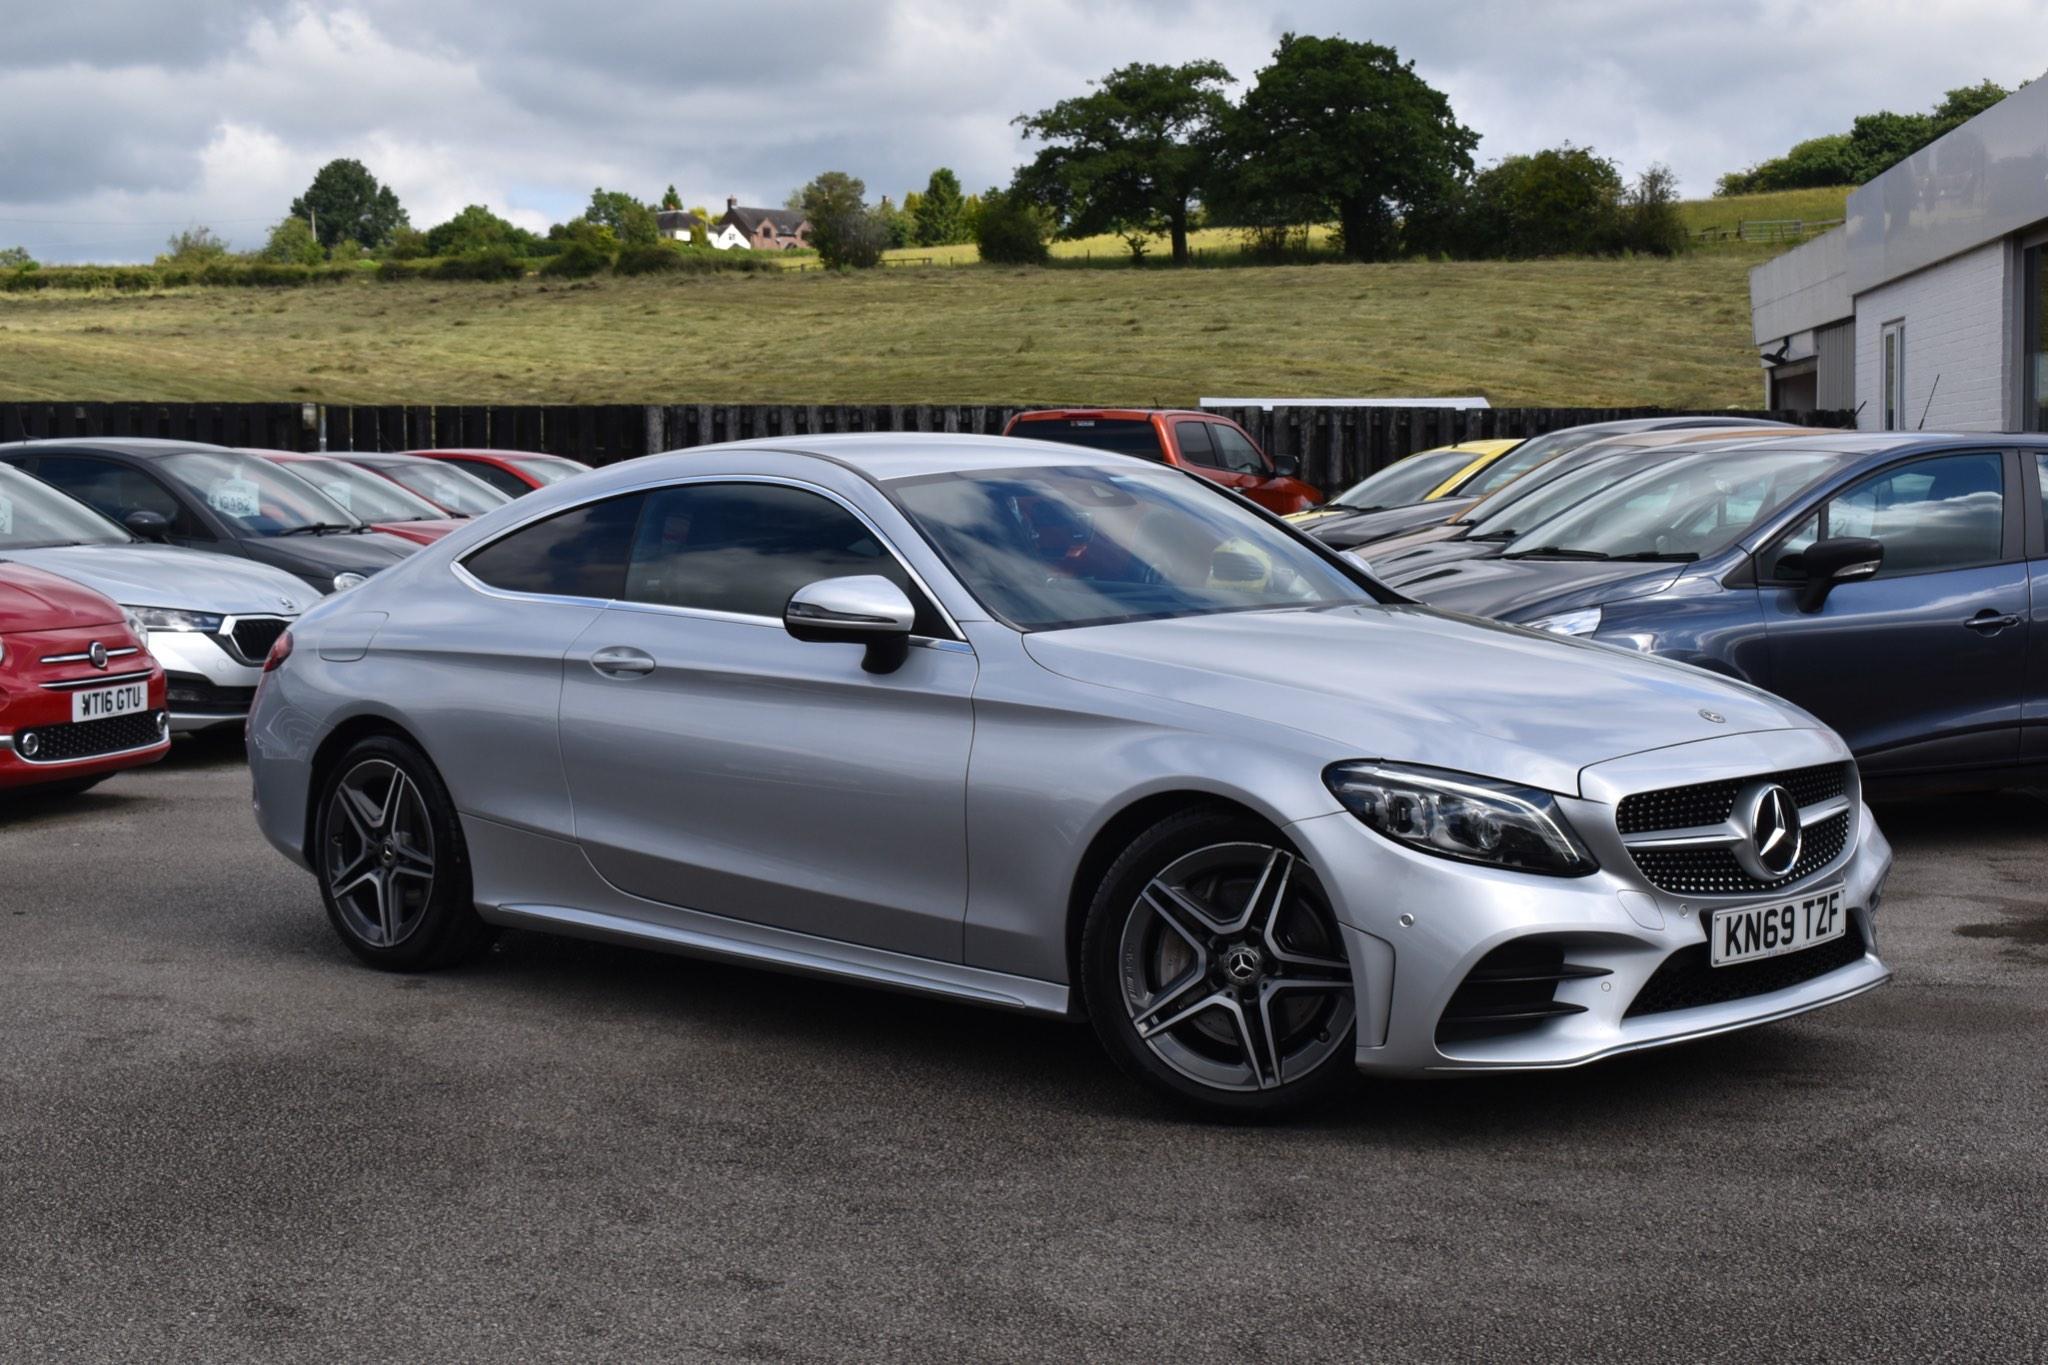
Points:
[[196, 245], [292, 242], [1873, 145], [843, 229], [1134, 155], [1335, 129], [345, 200], [1011, 229], [406, 244], [901, 231], [631, 221], [16, 258], [936, 214], [476, 228], [670, 200]]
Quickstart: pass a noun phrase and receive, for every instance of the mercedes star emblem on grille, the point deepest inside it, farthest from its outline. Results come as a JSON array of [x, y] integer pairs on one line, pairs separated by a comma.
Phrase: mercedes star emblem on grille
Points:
[[1772, 847]]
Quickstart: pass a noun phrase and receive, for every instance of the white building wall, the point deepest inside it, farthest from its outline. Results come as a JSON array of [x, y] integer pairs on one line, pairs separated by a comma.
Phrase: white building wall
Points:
[[1958, 332]]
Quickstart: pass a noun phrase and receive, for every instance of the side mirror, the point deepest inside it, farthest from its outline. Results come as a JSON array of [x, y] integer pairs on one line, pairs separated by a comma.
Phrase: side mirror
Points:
[[147, 525], [1840, 560], [864, 609], [1287, 466]]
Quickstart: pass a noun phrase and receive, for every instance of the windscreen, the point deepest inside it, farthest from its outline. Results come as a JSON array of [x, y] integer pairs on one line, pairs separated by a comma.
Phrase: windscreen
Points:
[[1679, 510], [1046, 548], [34, 516], [255, 495], [370, 497], [463, 495], [1404, 481], [546, 468]]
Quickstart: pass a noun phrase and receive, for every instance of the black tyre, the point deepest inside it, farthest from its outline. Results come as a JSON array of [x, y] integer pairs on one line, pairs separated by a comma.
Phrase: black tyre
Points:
[[1213, 969], [392, 865]]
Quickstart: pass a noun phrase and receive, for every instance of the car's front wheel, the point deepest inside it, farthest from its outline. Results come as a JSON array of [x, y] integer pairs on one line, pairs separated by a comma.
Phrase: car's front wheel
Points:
[[1213, 968], [393, 868]]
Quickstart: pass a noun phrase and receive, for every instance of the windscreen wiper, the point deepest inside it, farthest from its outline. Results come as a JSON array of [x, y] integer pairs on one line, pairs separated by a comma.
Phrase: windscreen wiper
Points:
[[1658, 556], [1558, 552], [315, 528]]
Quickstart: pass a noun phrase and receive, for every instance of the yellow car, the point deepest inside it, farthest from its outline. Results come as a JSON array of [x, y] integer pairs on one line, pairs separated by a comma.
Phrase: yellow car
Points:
[[1422, 477]]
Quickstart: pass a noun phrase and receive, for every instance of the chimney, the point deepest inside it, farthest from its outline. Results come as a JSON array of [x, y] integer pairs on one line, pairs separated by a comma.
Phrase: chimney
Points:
[[732, 202]]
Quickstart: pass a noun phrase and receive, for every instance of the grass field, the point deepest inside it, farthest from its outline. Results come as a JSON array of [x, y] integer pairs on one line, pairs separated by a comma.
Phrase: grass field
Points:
[[1809, 205], [1547, 332]]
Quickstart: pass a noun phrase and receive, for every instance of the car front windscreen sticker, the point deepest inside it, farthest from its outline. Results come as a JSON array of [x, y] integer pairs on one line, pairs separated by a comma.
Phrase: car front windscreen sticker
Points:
[[339, 492], [233, 497]]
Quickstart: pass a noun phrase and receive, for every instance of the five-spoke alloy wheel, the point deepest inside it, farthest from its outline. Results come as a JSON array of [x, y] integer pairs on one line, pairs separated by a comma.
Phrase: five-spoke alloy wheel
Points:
[[392, 866], [1214, 968]]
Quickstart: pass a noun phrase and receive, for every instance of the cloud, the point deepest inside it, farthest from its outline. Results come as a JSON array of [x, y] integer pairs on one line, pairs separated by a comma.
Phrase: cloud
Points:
[[126, 118]]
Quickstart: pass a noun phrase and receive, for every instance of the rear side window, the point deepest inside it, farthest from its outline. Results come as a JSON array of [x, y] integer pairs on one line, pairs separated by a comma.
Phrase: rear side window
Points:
[[578, 553], [1125, 436], [745, 547], [1946, 513], [1195, 445]]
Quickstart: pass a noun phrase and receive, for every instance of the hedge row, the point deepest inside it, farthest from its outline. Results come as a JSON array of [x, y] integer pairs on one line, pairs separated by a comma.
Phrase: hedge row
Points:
[[135, 278], [575, 261]]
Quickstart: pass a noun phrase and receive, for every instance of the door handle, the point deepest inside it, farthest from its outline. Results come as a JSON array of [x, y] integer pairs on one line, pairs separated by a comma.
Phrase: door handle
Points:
[[622, 661], [1989, 622]]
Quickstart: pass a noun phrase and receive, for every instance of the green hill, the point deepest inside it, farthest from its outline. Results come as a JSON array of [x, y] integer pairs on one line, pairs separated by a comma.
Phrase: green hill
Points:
[[1553, 333]]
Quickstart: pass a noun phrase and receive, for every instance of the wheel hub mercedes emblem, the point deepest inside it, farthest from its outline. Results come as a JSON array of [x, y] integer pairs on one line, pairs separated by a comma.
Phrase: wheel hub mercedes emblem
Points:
[[1772, 836], [1242, 964]]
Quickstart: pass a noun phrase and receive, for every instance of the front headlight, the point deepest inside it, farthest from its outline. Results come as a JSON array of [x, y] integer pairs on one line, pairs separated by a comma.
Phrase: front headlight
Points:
[[165, 618], [344, 581], [1584, 621], [1457, 815]]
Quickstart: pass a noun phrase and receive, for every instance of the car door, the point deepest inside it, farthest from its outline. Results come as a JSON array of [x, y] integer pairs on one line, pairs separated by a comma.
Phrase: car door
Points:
[[1921, 666], [115, 488], [717, 764]]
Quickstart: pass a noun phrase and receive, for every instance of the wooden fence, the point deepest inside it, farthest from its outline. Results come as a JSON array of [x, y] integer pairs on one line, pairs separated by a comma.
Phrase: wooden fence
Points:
[[1336, 445]]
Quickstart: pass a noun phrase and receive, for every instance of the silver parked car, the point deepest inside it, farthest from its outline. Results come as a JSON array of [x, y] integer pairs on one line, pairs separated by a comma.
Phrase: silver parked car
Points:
[[1058, 730], [210, 618]]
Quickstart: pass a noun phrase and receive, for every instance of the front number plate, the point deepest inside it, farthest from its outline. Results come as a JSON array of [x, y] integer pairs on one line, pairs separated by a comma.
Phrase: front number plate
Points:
[[100, 703], [1750, 932]]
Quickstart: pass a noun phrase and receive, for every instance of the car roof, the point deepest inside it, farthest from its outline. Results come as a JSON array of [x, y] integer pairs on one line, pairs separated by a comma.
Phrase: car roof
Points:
[[885, 456], [489, 453], [1114, 414], [140, 447]]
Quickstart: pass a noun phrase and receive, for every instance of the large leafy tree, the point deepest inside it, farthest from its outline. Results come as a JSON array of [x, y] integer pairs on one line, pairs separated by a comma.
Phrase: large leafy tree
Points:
[[346, 202], [631, 221], [475, 229], [1133, 156], [1344, 131], [937, 213], [844, 229]]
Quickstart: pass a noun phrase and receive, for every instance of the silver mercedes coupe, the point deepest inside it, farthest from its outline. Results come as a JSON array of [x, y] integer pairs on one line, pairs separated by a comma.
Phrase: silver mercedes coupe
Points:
[[1056, 730]]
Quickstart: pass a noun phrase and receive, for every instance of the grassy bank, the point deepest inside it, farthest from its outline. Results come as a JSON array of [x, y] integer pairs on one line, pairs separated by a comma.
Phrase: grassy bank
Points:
[[1546, 332]]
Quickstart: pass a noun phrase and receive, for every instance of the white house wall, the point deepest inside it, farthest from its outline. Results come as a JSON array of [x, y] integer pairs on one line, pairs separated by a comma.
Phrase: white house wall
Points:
[[1958, 324]]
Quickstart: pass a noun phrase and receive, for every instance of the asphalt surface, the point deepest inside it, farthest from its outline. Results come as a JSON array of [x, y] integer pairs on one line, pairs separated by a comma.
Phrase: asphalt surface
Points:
[[222, 1139]]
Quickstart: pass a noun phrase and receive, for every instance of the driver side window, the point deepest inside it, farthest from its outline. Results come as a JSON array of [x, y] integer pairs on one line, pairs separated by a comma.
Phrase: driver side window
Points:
[[1943, 513], [1238, 454], [114, 490]]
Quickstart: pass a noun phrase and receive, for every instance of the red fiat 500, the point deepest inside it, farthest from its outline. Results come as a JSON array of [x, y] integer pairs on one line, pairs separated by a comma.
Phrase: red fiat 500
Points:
[[80, 696]]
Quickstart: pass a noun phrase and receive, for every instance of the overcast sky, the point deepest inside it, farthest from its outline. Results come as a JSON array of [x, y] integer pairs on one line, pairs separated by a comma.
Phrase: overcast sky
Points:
[[122, 120]]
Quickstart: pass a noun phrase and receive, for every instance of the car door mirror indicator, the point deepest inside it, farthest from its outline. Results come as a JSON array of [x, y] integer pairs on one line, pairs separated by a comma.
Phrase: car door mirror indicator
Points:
[[864, 609]]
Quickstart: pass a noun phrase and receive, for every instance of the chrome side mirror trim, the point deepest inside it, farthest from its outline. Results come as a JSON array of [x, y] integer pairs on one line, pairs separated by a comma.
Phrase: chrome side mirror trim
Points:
[[863, 609]]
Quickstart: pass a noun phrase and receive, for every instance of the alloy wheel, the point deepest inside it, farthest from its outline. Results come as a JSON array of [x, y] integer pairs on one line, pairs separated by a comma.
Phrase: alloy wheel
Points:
[[1233, 969], [380, 852]]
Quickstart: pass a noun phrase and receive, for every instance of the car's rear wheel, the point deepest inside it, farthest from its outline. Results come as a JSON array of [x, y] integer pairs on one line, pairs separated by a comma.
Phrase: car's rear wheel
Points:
[[393, 868], [1213, 968]]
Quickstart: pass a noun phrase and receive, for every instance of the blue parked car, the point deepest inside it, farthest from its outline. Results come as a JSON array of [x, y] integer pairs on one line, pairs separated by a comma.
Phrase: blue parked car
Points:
[[1883, 581]]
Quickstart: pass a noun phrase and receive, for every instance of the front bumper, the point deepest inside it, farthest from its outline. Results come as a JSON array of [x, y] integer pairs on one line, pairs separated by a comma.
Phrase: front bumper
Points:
[[1416, 926], [208, 687]]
